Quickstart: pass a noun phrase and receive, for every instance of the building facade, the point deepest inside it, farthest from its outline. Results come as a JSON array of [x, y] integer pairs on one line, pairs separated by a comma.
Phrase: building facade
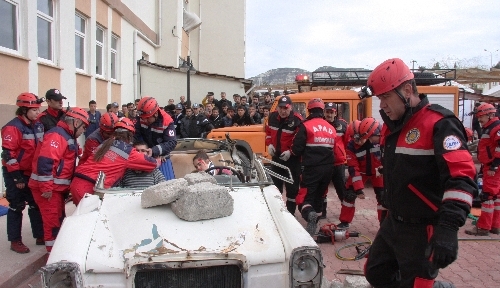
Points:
[[90, 49]]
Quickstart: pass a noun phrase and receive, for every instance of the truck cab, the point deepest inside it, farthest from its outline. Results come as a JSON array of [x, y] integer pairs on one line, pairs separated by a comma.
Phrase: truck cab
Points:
[[341, 87]]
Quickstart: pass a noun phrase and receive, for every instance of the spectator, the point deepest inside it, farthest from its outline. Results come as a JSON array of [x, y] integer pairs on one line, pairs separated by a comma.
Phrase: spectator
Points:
[[242, 118], [124, 110], [130, 106], [255, 100], [52, 170], [236, 99], [267, 99], [215, 119], [210, 99], [108, 108], [188, 125], [265, 116], [177, 119], [208, 109], [136, 101], [204, 126], [243, 102], [155, 127], [254, 114], [171, 101], [227, 121], [94, 118], [223, 101], [21, 137], [113, 158], [54, 112], [223, 110], [132, 114], [170, 109]]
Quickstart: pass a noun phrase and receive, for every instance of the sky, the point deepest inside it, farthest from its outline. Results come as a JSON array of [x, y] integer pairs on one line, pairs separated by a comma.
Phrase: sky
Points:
[[309, 34]]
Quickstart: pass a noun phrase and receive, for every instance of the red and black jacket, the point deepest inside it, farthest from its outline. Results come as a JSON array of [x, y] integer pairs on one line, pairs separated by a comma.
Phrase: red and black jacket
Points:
[[280, 131], [314, 141], [428, 170], [19, 141], [160, 136], [91, 143], [362, 161], [339, 150], [50, 117], [488, 148]]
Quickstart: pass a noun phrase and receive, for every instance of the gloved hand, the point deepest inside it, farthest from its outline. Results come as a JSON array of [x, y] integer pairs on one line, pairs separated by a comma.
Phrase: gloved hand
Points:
[[285, 155], [360, 194], [443, 246], [271, 150], [485, 196]]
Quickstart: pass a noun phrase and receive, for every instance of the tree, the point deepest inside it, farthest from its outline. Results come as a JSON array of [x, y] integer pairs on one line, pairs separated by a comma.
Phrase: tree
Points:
[[497, 66]]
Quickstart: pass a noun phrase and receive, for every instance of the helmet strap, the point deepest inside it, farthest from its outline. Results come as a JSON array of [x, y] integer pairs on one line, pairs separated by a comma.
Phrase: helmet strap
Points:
[[406, 101]]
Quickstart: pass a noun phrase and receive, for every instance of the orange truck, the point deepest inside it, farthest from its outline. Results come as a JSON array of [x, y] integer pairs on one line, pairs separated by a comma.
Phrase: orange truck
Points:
[[339, 87]]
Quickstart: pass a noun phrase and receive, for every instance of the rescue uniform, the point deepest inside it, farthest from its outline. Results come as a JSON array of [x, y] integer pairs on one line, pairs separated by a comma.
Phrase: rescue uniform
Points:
[[362, 163], [19, 141], [53, 167], [338, 175], [160, 136], [120, 157], [50, 117], [314, 141], [488, 153], [428, 186], [91, 143], [280, 133]]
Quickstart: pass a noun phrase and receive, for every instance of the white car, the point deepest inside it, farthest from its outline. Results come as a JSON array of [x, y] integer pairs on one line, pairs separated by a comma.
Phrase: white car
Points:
[[110, 241]]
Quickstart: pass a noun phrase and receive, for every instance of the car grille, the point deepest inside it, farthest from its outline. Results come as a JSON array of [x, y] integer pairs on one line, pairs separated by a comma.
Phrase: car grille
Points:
[[207, 277]]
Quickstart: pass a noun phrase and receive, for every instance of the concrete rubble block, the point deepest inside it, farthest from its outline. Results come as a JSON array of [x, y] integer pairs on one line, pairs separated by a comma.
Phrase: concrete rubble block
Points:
[[352, 281], [204, 201], [336, 283], [163, 193], [199, 177]]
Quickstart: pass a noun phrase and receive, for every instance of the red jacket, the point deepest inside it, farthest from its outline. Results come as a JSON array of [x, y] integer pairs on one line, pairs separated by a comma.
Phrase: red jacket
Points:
[[362, 162], [118, 158], [280, 131], [19, 141], [160, 135], [314, 142], [54, 160], [91, 143], [488, 148], [339, 150]]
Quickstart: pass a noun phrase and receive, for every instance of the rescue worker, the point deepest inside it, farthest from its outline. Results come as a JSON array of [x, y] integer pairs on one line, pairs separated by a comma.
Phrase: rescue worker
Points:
[[314, 142], [282, 126], [363, 162], [428, 176], [20, 136], [338, 175], [51, 116], [105, 130], [156, 128], [352, 129], [488, 153], [113, 157], [53, 168]]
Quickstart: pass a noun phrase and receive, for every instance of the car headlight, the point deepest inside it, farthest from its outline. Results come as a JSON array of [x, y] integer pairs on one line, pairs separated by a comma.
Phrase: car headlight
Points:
[[306, 268], [61, 274]]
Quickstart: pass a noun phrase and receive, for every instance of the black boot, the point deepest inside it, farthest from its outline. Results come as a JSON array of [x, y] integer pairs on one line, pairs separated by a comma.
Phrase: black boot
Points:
[[323, 214], [440, 284]]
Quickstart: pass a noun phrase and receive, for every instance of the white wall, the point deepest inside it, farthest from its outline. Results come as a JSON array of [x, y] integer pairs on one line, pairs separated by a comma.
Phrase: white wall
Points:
[[164, 85], [146, 10]]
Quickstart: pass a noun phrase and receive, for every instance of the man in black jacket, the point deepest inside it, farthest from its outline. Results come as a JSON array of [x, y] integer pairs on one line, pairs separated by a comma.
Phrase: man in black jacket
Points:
[[54, 112], [203, 125], [215, 119], [242, 118], [177, 119]]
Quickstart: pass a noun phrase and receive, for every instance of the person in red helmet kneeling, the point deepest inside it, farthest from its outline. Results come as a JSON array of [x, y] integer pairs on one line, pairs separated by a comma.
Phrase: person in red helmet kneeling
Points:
[[428, 183], [113, 157]]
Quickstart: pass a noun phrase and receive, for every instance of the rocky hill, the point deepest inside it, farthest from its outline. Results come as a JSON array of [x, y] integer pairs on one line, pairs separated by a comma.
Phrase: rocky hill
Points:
[[280, 76]]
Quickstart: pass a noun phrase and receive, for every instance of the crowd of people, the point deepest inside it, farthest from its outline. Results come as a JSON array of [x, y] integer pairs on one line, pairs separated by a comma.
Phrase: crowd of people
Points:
[[417, 161]]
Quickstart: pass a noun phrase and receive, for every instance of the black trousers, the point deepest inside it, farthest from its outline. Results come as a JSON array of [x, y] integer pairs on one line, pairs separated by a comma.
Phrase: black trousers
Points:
[[397, 255], [338, 180], [17, 199], [291, 189], [315, 179]]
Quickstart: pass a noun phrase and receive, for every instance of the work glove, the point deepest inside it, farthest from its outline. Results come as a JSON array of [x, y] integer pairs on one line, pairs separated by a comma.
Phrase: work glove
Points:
[[271, 150], [443, 246], [360, 194], [285, 155]]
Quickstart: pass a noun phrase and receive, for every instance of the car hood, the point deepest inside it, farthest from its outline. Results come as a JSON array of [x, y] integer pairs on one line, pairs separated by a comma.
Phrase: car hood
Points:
[[126, 234]]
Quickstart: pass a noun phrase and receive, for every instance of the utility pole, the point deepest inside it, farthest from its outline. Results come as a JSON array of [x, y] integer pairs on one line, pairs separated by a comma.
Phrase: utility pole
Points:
[[413, 65], [491, 57]]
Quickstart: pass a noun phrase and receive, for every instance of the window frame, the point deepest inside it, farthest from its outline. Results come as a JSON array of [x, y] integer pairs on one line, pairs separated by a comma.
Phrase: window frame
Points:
[[116, 52], [103, 52], [52, 21], [85, 42], [18, 27]]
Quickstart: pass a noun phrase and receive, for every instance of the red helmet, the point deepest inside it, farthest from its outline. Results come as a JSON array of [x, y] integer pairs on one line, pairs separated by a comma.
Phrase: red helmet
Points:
[[369, 127], [353, 128], [78, 113], [316, 103], [470, 134], [29, 100], [485, 109], [124, 124], [147, 106], [388, 76], [108, 121]]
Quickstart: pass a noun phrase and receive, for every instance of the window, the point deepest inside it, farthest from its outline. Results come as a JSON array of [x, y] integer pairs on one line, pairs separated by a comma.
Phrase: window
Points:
[[80, 32], [99, 48], [8, 25], [114, 57], [45, 29]]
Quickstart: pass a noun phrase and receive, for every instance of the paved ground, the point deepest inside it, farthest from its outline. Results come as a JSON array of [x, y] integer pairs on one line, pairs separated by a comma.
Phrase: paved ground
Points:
[[477, 265]]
